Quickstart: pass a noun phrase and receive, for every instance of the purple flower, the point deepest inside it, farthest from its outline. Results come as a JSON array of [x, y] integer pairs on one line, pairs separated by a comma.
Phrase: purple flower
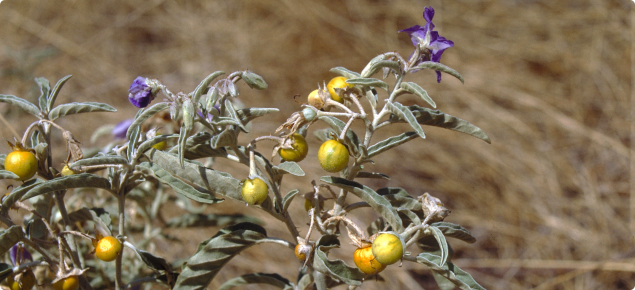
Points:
[[428, 40], [121, 129], [18, 253], [140, 94]]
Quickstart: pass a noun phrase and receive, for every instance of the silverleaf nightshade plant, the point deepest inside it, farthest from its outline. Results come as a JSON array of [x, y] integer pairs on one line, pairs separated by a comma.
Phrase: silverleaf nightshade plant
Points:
[[131, 175]]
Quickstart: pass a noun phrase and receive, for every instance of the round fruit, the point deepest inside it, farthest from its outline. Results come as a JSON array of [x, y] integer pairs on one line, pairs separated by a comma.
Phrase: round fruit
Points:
[[301, 251], [315, 100], [108, 248], [161, 145], [308, 203], [26, 282], [333, 156], [309, 114], [68, 283], [254, 191], [388, 248], [299, 151], [22, 163], [67, 171], [337, 83], [366, 262]]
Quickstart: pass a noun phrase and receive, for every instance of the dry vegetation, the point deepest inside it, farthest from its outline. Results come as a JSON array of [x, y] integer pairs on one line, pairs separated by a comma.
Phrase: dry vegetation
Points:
[[549, 81]]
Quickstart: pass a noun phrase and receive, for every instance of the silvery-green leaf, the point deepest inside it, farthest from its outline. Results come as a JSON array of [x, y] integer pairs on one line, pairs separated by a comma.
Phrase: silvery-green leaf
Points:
[[225, 121], [229, 108], [372, 63], [199, 146], [99, 160], [414, 88], [189, 112], [212, 97], [377, 175], [403, 113], [216, 182], [195, 193], [96, 215], [147, 144], [217, 251], [437, 118], [42, 154], [181, 144], [258, 278], [304, 282], [198, 92], [286, 201], [376, 201], [17, 193], [443, 244], [154, 262], [371, 96], [449, 271], [55, 91], [376, 226], [336, 268], [45, 88], [248, 114], [368, 82], [225, 138], [10, 237], [289, 167], [397, 191], [338, 125], [440, 67], [380, 64], [345, 72], [4, 174], [231, 88], [145, 114], [68, 182], [254, 81], [208, 220], [21, 103], [455, 231], [390, 143], [323, 134], [77, 108], [409, 215], [34, 140], [444, 284], [132, 142]]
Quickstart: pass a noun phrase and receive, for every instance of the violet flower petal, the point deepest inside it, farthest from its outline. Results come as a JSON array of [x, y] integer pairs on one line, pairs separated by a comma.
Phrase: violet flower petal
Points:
[[121, 129]]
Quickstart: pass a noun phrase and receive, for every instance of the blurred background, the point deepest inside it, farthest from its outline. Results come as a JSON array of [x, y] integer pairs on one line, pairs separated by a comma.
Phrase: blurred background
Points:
[[548, 81]]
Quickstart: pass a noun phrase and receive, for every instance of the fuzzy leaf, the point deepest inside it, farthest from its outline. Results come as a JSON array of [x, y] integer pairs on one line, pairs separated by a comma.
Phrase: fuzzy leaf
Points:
[[455, 231], [376, 175], [97, 215], [440, 67], [154, 262], [4, 174], [345, 72], [414, 88], [197, 194], [21, 103], [45, 88], [202, 87], [145, 114], [10, 237], [132, 142], [390, 143], [99, 160], [248, 114], [369, 71], [199, 146], [147, 144], [181, 144], [443, 244], [254, 81], [449, 271], [68, 182], [286, 201], [304, 282], [405, 114], [372, 63], [289, 167], [17, 193], [368, 82], [323, 134], [376, 201], [335, 268], [214, 253], [229, 108], [77, 108], [225, 138], [258, 278], [55, 91], [208, 220]]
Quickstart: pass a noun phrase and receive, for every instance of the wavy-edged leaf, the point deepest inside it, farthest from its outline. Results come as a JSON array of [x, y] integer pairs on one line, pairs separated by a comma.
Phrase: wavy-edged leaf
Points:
[[286, 201], [99, 160], [439, 67], [197, 194], [77, 108], [202, 87], [443, 244], [199, 146], [415, 89], [248, 114], [217, 251], [5, 174], [380, 64], [376, 201], [335, 268], [10, 237], [21, 103], [375, 175], [97, 215], [147, 144], [45, 88], [403, 113], [371, 96], [437, 118], [68, 182], [229, 108], [132, 142], [323, 134], [189, 220], [225, 138], [145, 114], [258, 278], [289, 167], [455, 231], [368, 82], [55, 91], [390, 143], [154, 262], [254, 81], [449, 271], [17, 193], [409, 215], [345, 72], [371, 63]]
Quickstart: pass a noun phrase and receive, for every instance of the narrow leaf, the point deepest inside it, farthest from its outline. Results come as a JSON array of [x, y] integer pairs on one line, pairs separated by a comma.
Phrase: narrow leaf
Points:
[[454, 274], [368, 82], [258, 278], [225, 138], [376, 175], [455, 231], [289, 167], [381, 64], [99, 160], [77, 108], [132, 142], [371, 63], [439, 67], [390, 143], [17, 194], [154, 262], [21, 103], [199, 146], [405, 114], [189, 220], [197, 194], [68, 182], [286, 201], [146, 114], [202, 87], [55, 91], [248, 114], [338, 125], [45, 88], [443, 244], [229, 107], [345, 72], [414, 88], [4, 174], [181, 144], [10, 237], [335, 268]]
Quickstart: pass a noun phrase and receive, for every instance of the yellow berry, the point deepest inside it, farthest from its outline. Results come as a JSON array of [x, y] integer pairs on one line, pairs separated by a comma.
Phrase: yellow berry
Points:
[[27, 281], [254, 191], [299, 151], [21, 162], [108, 248], [333, 156], [337, 83], [68, 283], [67, 171], [366, 262], [388, 248]]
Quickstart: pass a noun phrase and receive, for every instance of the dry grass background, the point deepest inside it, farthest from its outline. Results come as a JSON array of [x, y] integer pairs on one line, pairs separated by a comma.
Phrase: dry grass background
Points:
[[549, 81]]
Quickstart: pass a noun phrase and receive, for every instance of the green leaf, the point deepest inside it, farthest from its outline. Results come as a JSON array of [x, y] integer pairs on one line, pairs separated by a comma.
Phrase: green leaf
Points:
[[335, 268], [132, 142], [408, 215], [304, 282], [444, 284], [55, 91], [258, 278], [4, 174], [440, 67], [146, 114], [455, 231], [208, 220], [45, 88], [97, 215], [202, 87], [449, 271], [99, 160], [345, 72], [368, 82], [378, 65], [77, 108], [17, 194], [376, 175], [68, 182], [286, 201], [376, 201], [147, 144], [21, 103], [199, 146], [225, 138], [248, 114], [10, 237], [289, 167], [323, 134], [181, 144], [154, 262], [254, 81], [179, 186], [371, 96], [216, 252], [371, 63], [390, 143], [414, 88], [229, 108], [403, 113], [443, 244], [437, 118]]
